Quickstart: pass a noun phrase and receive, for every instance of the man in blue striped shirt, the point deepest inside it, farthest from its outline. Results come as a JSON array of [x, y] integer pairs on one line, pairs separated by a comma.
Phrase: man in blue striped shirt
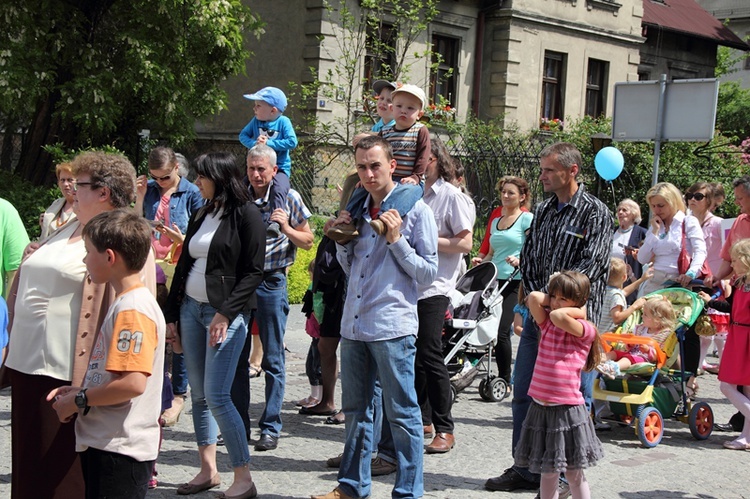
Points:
[[379, 326]]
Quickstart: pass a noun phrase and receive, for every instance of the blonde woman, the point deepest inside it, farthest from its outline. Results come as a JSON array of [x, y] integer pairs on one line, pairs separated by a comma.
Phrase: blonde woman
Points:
[[663, 241]]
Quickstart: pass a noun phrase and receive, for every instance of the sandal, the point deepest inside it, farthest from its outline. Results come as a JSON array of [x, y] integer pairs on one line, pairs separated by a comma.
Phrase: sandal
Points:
[[255, 372], [336, 418], [307, 402]]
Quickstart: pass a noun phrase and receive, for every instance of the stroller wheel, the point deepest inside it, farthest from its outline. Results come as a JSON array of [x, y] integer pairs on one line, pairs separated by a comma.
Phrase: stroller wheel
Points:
[[483, 388], [701, 421], [454, 394], [498, 389], [650, 426]]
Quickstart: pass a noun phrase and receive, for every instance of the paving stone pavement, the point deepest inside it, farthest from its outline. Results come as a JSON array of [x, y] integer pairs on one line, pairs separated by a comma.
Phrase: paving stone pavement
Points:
[[679, 467]]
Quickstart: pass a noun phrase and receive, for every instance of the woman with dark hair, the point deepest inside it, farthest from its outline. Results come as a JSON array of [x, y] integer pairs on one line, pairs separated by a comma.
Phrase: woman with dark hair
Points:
[[700, 200], [212, 293], [507, 236]]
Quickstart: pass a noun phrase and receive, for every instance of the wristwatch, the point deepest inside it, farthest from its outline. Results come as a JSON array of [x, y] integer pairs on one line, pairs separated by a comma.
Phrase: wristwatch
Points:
[[82, 402]]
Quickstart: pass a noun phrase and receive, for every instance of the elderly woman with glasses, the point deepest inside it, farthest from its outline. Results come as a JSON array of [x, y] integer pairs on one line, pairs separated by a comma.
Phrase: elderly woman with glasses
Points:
[[627, 239], [60, 211], [56, 311]]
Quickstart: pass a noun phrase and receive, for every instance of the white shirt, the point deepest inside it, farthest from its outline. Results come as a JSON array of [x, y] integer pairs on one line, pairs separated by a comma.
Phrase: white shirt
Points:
[[453, 215], [664, 249], [195, 285]]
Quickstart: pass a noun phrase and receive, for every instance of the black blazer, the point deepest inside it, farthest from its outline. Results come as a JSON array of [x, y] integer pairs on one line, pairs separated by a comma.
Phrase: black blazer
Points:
[[234, 268]]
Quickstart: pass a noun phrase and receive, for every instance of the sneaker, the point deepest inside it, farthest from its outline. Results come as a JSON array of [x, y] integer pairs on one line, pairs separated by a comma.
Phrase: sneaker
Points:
[[509, 481], [563, 490], [600, 425], [609, 369], [342, 233], [380, 466]]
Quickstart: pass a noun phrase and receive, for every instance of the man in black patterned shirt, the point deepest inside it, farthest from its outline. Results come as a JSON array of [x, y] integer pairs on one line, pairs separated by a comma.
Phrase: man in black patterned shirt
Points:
[[571, 230]]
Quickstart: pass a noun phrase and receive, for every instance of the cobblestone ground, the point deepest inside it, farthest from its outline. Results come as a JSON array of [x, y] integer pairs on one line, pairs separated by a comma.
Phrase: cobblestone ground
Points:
[[680, 467]]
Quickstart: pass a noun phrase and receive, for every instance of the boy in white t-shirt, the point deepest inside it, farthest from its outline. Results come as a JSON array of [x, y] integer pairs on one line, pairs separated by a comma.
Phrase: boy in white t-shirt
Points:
[[117, 424]]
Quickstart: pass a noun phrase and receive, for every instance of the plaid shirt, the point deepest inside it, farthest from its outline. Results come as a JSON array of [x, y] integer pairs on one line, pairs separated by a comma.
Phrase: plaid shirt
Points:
[[280, 252]]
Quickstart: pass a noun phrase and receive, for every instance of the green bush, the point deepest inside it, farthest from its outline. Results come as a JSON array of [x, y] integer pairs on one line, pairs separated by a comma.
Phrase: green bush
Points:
[[29, 200], [299, 279]]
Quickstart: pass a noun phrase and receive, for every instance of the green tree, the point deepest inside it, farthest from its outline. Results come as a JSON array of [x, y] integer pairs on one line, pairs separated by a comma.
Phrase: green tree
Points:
[[89, 73]]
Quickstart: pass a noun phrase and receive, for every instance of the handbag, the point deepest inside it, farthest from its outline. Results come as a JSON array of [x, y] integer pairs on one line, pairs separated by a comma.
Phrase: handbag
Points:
[[684, 259]]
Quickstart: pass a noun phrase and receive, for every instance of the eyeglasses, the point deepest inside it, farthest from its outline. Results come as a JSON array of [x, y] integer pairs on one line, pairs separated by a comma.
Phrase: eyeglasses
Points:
[[76, 184], [699, 196], [161, 179]]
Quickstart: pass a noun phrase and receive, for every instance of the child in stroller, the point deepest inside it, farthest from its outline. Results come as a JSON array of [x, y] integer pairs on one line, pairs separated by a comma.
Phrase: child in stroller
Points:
[[658, 321]]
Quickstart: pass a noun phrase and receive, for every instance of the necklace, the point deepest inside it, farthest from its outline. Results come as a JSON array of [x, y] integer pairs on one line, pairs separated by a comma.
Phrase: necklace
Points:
[[63, 218]]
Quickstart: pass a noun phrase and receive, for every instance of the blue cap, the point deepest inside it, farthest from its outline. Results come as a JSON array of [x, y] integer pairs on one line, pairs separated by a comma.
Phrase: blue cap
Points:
[[271, 95]]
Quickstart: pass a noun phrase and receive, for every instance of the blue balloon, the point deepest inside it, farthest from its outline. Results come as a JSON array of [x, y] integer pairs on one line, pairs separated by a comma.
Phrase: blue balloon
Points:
[[609, 163]]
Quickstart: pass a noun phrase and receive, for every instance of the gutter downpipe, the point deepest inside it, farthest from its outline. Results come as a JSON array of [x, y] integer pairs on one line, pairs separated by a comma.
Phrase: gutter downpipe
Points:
[[479, 55]]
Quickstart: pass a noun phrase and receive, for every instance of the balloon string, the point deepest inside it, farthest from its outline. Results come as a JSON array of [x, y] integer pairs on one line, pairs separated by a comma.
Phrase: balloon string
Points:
[[614, 200]]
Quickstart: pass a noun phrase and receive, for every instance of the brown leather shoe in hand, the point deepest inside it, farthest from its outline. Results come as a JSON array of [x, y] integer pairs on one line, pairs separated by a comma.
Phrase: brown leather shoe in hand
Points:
[[342, 233], [442, 443], [379, 227]]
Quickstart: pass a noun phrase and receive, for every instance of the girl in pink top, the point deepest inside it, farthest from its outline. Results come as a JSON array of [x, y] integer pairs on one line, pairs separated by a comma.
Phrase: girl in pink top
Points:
[[558, 435]]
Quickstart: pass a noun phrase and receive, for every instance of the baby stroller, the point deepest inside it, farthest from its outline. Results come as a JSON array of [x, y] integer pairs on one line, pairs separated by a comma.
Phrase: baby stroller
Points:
[[646, 392], [470, 335]]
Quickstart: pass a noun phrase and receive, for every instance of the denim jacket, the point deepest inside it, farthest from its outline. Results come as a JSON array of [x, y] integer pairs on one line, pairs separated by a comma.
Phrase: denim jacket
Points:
[[185, 201]]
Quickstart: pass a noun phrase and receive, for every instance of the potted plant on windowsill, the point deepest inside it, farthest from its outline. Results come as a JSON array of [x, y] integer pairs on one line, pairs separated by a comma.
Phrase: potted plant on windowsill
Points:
[[439, 113], [551, 124]]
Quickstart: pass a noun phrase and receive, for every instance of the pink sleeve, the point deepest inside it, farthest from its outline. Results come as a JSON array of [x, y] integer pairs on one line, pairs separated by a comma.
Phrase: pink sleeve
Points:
[[589, 331]]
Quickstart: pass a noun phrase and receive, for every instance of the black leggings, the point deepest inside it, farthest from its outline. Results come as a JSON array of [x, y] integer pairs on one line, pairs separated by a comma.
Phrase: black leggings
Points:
[[503, 350]]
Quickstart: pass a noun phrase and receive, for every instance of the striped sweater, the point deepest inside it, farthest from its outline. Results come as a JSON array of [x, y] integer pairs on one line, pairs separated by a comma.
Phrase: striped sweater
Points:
[[411, 150], [561, 357]]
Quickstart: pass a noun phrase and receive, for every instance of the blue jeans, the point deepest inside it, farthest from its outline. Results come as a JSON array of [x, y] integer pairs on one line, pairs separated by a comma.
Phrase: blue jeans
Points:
[[392, 361], [272, 312], [402, 199], [179, 374], [211, 371], [522, 372]]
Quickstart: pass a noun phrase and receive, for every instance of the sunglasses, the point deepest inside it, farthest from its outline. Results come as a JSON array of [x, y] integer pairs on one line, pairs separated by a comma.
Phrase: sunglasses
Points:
[[158, 179], [699, 196]]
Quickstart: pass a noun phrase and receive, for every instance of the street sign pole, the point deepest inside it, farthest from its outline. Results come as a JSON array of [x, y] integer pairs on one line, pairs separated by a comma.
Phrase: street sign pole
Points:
[[659, 128]]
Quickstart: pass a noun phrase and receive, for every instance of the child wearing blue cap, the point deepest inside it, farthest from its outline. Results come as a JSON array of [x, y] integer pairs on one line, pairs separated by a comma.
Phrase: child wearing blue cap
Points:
[[271, 128]]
